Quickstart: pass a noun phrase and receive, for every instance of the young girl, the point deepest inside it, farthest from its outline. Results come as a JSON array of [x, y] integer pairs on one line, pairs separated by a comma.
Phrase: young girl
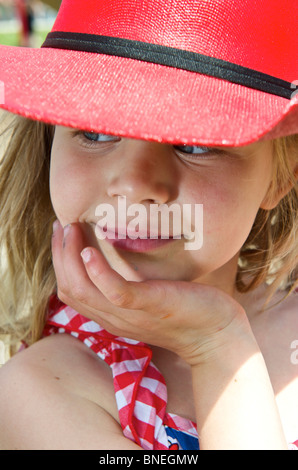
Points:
[[132, 340]]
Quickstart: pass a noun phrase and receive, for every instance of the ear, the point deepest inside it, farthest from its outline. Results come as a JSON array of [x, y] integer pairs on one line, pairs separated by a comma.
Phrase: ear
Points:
[[270, 201]]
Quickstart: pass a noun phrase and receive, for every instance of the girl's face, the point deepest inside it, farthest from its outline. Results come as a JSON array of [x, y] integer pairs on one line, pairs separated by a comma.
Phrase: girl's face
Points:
[[89, 170]]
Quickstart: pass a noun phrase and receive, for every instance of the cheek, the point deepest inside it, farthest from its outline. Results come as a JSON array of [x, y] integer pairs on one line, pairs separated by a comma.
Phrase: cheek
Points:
[[231, 213], [70, 188], [230, 208]]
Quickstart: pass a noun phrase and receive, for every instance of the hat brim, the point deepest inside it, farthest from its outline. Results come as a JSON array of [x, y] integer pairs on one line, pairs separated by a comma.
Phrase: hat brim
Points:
[[136, 99]]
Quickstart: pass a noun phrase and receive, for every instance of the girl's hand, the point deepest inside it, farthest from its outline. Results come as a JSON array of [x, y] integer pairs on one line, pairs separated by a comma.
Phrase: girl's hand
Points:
[[190, 319], [204, 326]]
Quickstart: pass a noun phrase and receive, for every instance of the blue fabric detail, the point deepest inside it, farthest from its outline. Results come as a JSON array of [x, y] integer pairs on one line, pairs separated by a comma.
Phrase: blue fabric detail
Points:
[[179, 440]]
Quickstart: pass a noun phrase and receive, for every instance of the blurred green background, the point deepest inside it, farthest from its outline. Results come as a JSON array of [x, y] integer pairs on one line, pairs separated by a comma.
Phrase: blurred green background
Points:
[[16, 15]]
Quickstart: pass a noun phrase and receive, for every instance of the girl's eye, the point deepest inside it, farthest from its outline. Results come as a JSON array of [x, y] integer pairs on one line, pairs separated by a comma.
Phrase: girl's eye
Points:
[[94, 137], [193, 149]]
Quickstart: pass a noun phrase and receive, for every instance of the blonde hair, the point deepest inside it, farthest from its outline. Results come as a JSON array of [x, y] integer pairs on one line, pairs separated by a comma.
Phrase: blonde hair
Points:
[[27, 274], [270, 252]]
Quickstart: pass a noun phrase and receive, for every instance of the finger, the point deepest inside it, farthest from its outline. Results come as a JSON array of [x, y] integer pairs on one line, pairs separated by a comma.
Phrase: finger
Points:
[[120, 292], [66, 246], [78, 290], [57, 240], [92, 303], [73, 280], [57, 258]]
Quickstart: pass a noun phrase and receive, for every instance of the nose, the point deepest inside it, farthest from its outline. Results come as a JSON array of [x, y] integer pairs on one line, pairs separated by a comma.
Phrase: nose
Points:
[[143, 172]]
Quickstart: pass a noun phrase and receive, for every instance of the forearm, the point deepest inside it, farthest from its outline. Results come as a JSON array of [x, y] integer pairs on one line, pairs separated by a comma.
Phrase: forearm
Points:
[[234, 400]]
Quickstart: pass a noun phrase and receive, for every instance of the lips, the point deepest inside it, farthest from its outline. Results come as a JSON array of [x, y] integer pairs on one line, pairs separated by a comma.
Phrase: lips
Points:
[[136, 242], [140, 245]]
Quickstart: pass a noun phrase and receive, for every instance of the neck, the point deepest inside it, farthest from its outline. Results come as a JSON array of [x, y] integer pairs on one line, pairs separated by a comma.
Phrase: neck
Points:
[[223, 278]]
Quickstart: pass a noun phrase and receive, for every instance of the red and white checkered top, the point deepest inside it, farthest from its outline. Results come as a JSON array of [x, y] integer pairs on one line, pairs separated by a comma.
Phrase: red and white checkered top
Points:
[[140, 389]]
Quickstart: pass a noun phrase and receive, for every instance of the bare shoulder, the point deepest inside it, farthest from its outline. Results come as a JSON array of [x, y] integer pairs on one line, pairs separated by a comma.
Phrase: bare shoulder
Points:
[[275, 324], [276, 330], [283, 318], [58, 394], [284, 363]]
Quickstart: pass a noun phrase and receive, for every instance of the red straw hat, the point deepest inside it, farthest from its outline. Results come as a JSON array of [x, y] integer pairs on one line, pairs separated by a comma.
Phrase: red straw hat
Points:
[[220, 72]]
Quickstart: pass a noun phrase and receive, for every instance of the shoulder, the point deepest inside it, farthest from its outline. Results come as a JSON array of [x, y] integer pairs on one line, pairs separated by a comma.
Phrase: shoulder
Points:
[[58, 394], [278, 316], [64, 360], [276, 330], [283, 314], [286, 359]]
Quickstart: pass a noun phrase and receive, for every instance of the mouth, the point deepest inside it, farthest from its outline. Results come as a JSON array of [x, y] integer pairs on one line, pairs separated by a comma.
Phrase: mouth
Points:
[[140, 243]]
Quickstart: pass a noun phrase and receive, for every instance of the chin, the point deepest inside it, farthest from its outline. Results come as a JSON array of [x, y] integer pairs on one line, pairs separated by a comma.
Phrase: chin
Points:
[[137, 272]]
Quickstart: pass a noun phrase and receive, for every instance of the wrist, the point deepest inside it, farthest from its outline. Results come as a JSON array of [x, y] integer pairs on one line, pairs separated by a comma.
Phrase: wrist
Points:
[[230, 344]]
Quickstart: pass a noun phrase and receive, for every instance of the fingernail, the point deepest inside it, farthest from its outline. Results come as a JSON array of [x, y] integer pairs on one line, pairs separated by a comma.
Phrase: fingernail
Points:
[[56, 225], [66, 230], [86, 254]]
